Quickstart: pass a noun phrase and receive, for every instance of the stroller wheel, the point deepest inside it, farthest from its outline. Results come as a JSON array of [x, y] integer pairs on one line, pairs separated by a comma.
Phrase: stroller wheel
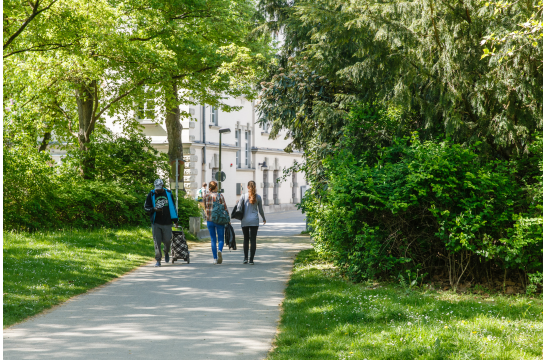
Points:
[[188, 259]]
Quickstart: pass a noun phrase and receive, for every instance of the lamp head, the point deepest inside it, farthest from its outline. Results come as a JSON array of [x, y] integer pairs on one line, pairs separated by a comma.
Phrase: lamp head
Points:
[[225, 131]]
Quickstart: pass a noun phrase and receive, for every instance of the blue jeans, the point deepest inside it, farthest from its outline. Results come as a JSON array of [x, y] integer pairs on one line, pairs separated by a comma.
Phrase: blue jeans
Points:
[[212, 227]]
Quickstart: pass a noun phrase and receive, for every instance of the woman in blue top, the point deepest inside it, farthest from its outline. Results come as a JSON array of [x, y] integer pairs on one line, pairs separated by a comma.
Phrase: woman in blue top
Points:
[[250, 220]]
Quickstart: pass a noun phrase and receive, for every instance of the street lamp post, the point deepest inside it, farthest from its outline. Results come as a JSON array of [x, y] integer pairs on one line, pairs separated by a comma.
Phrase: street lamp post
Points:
[[222, 131]]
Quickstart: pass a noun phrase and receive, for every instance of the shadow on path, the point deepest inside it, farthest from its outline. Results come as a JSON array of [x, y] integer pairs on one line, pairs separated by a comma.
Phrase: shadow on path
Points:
[[190, 311]]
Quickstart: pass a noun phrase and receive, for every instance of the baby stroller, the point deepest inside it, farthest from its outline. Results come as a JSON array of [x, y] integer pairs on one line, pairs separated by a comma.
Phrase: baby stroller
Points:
[[179, 249]]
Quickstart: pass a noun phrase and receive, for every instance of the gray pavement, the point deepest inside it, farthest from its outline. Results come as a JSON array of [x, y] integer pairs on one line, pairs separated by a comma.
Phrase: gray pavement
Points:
[[188, 311], [278, 224]]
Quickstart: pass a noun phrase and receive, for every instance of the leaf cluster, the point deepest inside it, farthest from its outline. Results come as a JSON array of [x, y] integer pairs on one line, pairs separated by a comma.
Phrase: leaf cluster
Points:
[[415, 204], [422, 57]]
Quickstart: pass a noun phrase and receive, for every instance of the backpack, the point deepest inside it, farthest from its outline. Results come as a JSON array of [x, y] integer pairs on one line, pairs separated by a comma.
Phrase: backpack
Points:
[[219, 215]]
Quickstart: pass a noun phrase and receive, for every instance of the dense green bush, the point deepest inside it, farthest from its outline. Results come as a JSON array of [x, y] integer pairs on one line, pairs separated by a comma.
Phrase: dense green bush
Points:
[[128, 159], [82, 204], [28, 182], [187, 207], [41, 195], [425, 205]]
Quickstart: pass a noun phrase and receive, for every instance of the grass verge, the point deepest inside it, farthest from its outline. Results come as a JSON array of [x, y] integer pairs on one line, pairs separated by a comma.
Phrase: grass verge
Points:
[[44, 269], [325, 317]]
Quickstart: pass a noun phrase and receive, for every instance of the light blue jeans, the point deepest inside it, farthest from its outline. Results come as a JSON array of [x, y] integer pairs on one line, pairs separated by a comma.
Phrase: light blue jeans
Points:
[[212, 227]]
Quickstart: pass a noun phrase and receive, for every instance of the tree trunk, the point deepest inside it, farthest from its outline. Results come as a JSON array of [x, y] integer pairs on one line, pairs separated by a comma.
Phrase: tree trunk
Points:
[[45, 141], [174, 131], [86, 101]]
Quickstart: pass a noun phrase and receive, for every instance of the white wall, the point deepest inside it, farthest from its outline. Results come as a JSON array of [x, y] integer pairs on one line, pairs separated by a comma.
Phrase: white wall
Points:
[[199, 170]]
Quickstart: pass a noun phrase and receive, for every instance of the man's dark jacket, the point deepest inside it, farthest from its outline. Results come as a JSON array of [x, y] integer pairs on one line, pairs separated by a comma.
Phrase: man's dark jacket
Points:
[[149, 206]]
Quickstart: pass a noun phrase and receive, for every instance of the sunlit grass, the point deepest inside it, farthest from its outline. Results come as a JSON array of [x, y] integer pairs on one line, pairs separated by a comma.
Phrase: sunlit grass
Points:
[[45, 269], [325, 317]]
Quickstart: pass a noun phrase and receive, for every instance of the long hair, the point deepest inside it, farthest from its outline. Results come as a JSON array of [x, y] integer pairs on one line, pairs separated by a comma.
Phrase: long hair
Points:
[[251, 191], [212, 186]]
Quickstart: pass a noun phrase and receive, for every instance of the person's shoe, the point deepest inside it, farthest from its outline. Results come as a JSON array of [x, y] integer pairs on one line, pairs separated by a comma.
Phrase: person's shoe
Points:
[[245, 261], [157, 264], [215, 262], [166, 258], [220, 260], [251, 262]]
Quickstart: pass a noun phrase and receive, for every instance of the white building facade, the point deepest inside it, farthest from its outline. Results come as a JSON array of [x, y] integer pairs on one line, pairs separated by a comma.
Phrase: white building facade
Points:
[[247, 154]]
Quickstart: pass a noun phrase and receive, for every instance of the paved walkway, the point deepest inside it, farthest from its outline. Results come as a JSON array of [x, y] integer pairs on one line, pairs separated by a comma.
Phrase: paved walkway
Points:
[[179, 311]]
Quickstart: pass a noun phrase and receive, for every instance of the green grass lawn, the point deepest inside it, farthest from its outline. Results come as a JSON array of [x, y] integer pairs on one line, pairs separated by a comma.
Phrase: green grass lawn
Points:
[[325, 317], [45, 269]]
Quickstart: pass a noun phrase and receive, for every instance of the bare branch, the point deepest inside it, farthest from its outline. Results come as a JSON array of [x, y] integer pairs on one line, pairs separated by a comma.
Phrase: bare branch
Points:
[[45, 141], [68, 117], [143, 39], [35, 12], [97, 116], [38, 48], [435, 27], [190, 15]]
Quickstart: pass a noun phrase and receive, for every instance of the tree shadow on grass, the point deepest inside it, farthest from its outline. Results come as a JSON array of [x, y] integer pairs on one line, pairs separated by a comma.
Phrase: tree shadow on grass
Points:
[[43, 270]]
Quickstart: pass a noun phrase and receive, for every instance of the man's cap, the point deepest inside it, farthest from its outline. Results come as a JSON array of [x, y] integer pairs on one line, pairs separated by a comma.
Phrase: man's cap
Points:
[[158, 184]]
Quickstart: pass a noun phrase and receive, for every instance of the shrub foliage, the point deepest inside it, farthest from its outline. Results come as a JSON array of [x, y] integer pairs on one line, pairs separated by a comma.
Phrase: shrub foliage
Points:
[[425, 205], [39, 195]]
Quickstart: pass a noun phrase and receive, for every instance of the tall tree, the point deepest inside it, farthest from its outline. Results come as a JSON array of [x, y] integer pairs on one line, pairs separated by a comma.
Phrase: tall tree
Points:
[[116, 54], [422, 56], [215, 56], [99, 71]]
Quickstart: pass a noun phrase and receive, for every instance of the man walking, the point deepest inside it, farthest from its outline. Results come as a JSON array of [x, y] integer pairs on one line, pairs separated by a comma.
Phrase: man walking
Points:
[[160, 206]]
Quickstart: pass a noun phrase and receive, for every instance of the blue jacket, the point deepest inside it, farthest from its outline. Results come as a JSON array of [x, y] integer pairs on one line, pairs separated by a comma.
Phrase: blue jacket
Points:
[[149, 206]]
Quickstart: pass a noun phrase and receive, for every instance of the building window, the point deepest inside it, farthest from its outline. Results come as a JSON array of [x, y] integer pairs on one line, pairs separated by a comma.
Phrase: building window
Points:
[[237, 137], [276, 198], [265, 126], [146, 108], [248, 147], [294, 186], [214, 116]]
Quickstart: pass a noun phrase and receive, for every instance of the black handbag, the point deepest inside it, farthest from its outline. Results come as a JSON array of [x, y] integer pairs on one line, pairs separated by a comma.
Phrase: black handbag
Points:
[[238, 213]]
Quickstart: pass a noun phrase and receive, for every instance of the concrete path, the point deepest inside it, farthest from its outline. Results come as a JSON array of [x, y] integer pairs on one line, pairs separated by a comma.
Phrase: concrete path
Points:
[[278, 224], [179, 311]]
